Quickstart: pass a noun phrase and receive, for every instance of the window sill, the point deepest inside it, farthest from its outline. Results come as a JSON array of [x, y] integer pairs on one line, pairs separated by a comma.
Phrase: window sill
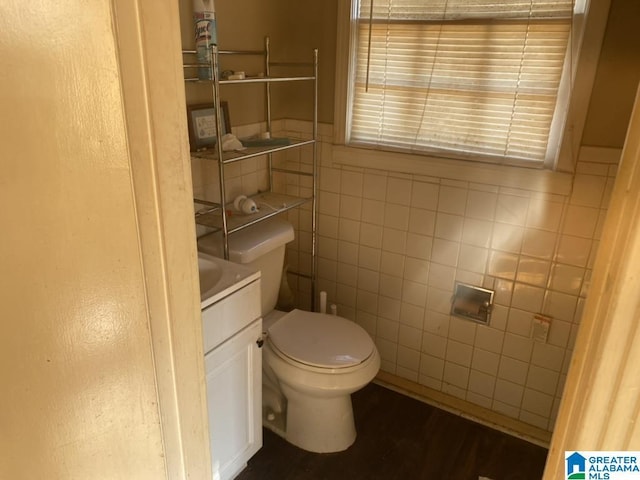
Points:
[[544, 181]]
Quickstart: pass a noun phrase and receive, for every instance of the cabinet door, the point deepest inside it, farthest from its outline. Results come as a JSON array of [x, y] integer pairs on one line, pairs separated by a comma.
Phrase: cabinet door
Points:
[[234, 401]]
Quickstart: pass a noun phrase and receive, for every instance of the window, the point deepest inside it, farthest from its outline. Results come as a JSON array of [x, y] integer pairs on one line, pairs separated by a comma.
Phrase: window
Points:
[[466, 79]]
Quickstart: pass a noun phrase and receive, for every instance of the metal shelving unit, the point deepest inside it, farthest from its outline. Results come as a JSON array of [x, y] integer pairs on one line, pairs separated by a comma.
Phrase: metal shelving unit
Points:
[[215, 215]]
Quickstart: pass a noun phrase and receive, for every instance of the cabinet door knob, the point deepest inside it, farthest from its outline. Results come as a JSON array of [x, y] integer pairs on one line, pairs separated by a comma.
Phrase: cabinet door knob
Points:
[[260, 342]]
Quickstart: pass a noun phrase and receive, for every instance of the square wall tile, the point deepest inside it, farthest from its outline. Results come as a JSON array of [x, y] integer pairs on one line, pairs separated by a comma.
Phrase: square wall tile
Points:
[[473, 259], [347, 274], [367, 301], [520, 322], [512, 209], [588, 190], [368, 322], [422, 221], [425, 195], [394, 241], [459, 353], [513, 370], [351, 183], [431, 366], [503, 265], [544, 215], [441, 276], [527, 297], [434, 345], [452, 200], [389, 308], [567, 279], [537, 402], [374, 186], [439, 300], [559, 333], [350, 207], [392, 264], [581, 221], [328, 226], [387, 329], [408, 358], [548, 356], [560, 305], [507, 238], [503, 292], [518, 347], [436, 323], [373, 211], [508, 392], [328, 248], [499, 317], [345, 295], [348, 252], [368, 280], [328, 203], [399, 191], [477, 232], [485, 361], [412, 315], [329, 180], [482, 383], [414, 293], [489, 339], [349, 230], [416, 270], [396, 216], [456, 375], [543, 380], [388, 350], [539, 243], [462, 330], [419, 246], [481, 204], [369, 258], [449, 227], [533, 271], [410, 337], [574, 250], [445, 252]]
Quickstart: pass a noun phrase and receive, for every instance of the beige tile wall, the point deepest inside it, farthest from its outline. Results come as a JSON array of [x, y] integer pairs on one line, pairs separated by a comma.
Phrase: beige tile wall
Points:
[[391, 246]]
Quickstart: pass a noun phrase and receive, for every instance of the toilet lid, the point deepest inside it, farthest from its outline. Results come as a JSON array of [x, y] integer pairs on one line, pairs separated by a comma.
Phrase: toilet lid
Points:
[[321, 340]]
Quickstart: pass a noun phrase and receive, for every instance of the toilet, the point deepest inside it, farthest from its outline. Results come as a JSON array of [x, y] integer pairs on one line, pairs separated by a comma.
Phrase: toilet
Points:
[[311, 362]]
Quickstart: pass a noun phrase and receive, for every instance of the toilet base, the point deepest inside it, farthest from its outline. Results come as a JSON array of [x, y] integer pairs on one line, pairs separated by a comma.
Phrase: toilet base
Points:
[[320, 425]]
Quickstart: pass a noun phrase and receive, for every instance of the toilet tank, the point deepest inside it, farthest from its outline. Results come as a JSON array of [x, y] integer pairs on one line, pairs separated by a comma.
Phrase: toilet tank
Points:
[[260, 246]]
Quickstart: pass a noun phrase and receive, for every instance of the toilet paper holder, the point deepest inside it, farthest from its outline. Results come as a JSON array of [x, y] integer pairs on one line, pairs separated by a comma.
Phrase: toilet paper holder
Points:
[[472, 302]]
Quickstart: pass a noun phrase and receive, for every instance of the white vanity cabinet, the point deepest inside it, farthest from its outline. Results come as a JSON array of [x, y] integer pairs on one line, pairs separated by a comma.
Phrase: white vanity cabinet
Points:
[[232, 331]]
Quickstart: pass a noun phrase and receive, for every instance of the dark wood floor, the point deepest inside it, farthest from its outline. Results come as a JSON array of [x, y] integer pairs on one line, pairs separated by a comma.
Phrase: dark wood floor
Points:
[[402, 438]]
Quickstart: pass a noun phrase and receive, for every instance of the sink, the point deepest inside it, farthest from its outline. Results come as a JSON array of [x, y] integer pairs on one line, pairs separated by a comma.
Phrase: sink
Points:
[[219, 278], [210, 274]]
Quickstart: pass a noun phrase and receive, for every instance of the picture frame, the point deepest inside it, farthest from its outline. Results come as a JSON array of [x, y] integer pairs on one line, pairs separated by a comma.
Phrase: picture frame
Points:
[[201, 120]]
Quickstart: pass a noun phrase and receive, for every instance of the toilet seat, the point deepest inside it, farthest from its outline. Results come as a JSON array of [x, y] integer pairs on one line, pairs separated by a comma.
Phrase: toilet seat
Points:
[[320, 340]]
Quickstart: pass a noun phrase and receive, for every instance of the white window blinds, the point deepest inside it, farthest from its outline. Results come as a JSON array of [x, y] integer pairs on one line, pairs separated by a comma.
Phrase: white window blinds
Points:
[[463, 78]]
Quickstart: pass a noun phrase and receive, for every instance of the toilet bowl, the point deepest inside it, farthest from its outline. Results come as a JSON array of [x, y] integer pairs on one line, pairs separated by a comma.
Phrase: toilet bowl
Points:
[[312, 362]]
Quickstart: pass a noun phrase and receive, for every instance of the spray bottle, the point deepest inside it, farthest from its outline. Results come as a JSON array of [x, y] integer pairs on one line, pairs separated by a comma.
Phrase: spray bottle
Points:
[[204, 22]]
